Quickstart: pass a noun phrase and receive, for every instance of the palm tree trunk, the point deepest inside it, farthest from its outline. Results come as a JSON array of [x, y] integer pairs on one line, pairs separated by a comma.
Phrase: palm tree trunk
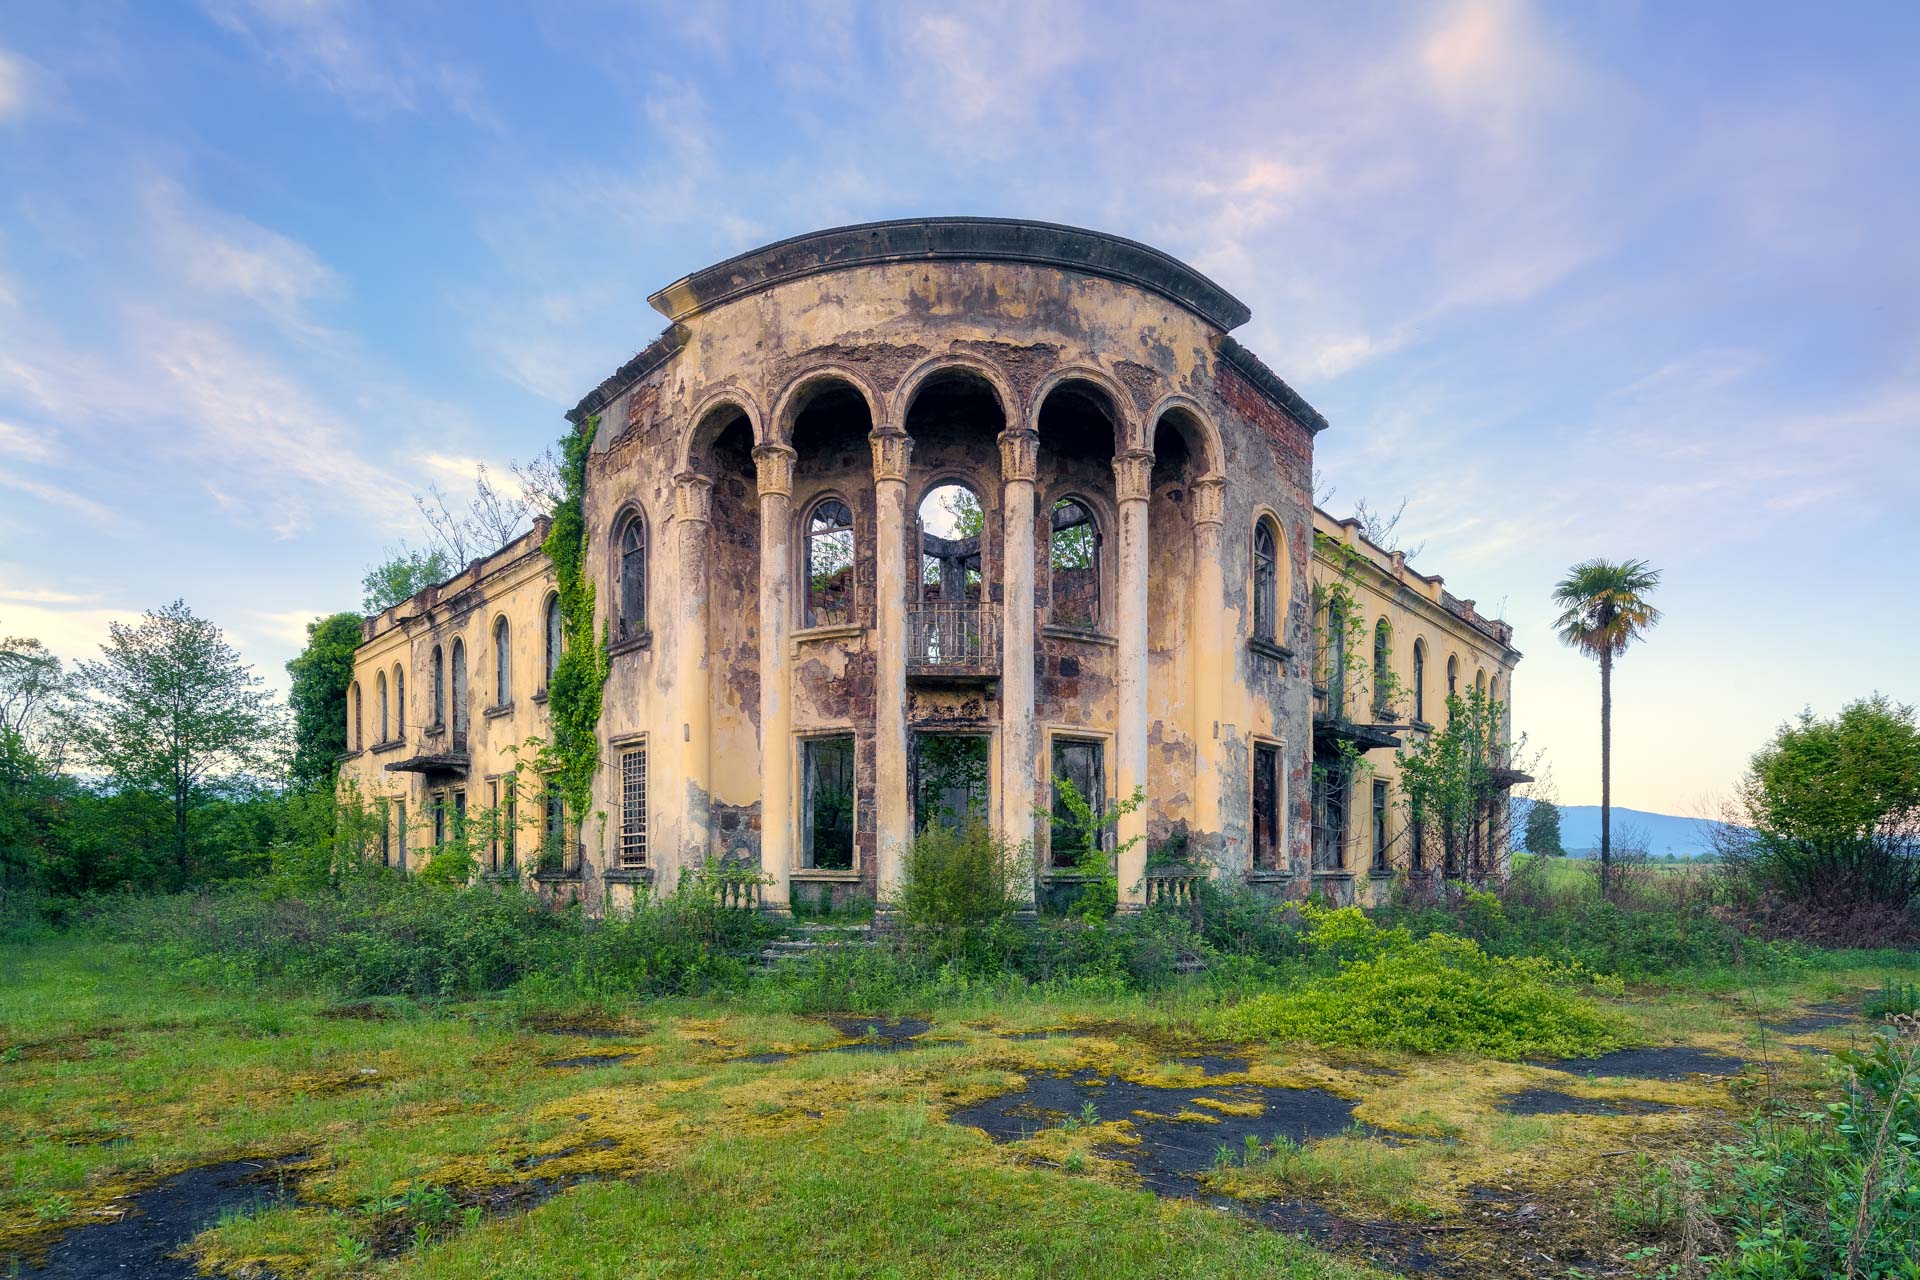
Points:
[[1606, 770]]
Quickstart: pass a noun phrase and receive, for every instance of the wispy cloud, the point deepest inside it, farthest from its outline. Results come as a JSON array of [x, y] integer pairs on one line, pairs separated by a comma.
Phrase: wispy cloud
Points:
[[223, 255]]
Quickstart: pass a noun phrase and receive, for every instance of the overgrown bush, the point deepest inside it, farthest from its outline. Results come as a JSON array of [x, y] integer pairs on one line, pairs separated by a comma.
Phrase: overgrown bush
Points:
[[958, 887], [1437, 994]]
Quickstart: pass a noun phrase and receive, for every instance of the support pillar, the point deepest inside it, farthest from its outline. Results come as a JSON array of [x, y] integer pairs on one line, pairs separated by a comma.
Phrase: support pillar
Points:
[[1211, 662], [693, 502], [774, 463], [1019, 455], [892, 449], [1132, 482]]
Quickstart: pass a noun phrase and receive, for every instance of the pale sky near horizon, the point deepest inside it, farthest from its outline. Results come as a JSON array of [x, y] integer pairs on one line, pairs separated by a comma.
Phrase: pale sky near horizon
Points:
[[1625, 280]]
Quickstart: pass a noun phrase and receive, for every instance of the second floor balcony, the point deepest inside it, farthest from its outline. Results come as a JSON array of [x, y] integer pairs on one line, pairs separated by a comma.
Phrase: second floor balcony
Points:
[[953, 643]]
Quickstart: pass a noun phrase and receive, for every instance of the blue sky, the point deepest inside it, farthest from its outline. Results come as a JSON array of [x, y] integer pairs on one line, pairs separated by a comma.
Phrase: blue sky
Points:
[[1620, 280]]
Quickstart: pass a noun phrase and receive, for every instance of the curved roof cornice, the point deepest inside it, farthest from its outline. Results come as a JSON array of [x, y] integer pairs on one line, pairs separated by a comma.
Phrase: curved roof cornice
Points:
[[1048, 244]]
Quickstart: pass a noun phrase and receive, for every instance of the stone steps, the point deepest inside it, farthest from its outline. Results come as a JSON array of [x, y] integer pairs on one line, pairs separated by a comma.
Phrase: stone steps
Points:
[[805, 938]]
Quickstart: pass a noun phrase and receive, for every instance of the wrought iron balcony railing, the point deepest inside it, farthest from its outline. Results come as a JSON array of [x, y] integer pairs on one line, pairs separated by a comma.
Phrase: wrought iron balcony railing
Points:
[[961, 640]]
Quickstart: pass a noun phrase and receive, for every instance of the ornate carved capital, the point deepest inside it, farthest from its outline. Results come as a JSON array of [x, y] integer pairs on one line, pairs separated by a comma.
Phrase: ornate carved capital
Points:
[[1019, 456], [892, 448], [1133, 475], [693, 497], [774, 465], [1209, 500]]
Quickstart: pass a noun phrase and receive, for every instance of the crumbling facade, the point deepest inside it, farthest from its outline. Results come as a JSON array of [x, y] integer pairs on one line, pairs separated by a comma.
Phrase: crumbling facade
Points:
[[901, 523]]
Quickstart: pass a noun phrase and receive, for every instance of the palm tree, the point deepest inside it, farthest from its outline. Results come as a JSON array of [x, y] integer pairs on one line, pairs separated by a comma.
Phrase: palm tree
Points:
[[1605, 609]]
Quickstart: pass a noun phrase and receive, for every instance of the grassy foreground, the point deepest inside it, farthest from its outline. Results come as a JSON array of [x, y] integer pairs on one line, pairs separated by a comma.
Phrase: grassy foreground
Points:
[[436, 1141]]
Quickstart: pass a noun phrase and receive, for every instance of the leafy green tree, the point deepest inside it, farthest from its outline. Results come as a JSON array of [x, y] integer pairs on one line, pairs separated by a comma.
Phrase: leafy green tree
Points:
[[1851, 775], [171, 710], [1543, 829], [321, 676], [1453, 784], [33, 688], [403, 574], [1604, 609]]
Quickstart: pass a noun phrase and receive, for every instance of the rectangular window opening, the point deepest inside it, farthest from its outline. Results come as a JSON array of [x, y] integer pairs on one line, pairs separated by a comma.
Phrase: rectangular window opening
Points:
[[1379, 825], [950, 779], [826, 800], [633, 808], [1081, 764], [1266, 807]]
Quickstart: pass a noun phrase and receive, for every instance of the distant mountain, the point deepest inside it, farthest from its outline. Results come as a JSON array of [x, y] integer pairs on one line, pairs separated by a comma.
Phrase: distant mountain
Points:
[[1665, 833]]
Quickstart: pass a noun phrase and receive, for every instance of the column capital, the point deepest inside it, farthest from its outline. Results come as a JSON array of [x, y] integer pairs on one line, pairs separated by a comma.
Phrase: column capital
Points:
[[693, 497], [1133, 475], [892, 448], [1019, 456], [1209, 500], [773, 465]]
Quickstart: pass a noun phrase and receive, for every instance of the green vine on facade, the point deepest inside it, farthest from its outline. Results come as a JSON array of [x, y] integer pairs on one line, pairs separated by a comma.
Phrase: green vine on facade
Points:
[[578, 687]]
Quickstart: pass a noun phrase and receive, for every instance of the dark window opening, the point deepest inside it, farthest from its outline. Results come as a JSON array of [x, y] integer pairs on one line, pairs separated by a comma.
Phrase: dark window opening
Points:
[[1266, 807], [827, 803], [1081, 766], [1331, 783], [439, 689], [380, 697], [1382, 670], [829, 565], [1420, 681], [458, 691], [1266, 583], [400, 830], [950, 780], [1337, 658], [553, 635], [1379, 826], [633, 579], [502, 663], [1074, 566], [439, 819]]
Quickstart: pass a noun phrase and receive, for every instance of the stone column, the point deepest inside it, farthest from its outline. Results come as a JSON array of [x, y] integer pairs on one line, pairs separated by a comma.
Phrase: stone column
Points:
[[774, 463], [693, 503], [1132, 481], [1211, 662], [1019, 455], [892, 448]]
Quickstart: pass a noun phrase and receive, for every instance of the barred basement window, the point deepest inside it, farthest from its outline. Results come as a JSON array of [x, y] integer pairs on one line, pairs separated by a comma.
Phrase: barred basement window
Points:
[[633, 808]]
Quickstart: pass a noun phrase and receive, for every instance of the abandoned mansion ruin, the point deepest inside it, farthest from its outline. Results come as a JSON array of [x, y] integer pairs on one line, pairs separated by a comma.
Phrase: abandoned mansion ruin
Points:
[[903, 523]]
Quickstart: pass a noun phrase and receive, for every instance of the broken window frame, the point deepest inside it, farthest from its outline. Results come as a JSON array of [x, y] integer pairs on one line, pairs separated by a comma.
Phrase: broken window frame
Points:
[[1093, 543], [1267, 817], [630, 568], [819, 753], [1266, 581], [1063, 830], [841, 536]]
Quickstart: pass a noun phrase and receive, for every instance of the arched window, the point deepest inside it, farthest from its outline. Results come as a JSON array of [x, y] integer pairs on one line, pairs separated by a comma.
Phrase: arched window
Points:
[[1074, 566], [1266, 582], [439, 690], [502, 663], [354, 744], [952, 539], [399, 702], [380, 700], [459, 694], [1480, 683], [633, 578], [1382, 669], [1453, 677], [829, 599], [553, 635], [1420, 681]]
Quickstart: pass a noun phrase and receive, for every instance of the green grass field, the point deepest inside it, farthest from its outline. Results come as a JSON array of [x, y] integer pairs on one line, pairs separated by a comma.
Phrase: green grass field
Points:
[[431, 1141]]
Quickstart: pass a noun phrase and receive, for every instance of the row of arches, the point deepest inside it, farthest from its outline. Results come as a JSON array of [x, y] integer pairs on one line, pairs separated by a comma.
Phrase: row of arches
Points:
[[1131, 430], [390, 697], [1385, 684]]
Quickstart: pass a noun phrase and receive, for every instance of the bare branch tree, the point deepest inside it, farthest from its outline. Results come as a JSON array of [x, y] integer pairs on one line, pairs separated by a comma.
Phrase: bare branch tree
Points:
[[1383, 530], [540, 482]]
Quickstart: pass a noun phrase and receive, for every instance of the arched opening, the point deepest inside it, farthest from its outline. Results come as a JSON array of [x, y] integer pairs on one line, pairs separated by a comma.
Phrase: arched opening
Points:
[[1480, 683], [1382, 670], [399, 702], [833, 489], [1453, 676], [1073, 565], [830, 564], [458, 692], [1337, 656], [502, 663], [353, 719], [1266, 581], [553, 635], [630, 575], [952, 545], [1420, 681], [380, 702], [437, 679]]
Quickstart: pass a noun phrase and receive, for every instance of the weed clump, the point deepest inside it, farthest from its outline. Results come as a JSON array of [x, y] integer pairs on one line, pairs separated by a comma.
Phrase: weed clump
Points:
[[1437, 994]]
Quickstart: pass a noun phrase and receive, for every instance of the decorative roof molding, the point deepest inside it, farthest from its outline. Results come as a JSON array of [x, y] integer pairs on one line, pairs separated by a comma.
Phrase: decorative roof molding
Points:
[[1271, 384], [952, 239], [656, 353]]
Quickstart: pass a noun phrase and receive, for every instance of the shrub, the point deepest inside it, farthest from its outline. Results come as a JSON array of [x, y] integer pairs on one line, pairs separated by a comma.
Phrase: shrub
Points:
[[957, 890], [1440, 994]]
